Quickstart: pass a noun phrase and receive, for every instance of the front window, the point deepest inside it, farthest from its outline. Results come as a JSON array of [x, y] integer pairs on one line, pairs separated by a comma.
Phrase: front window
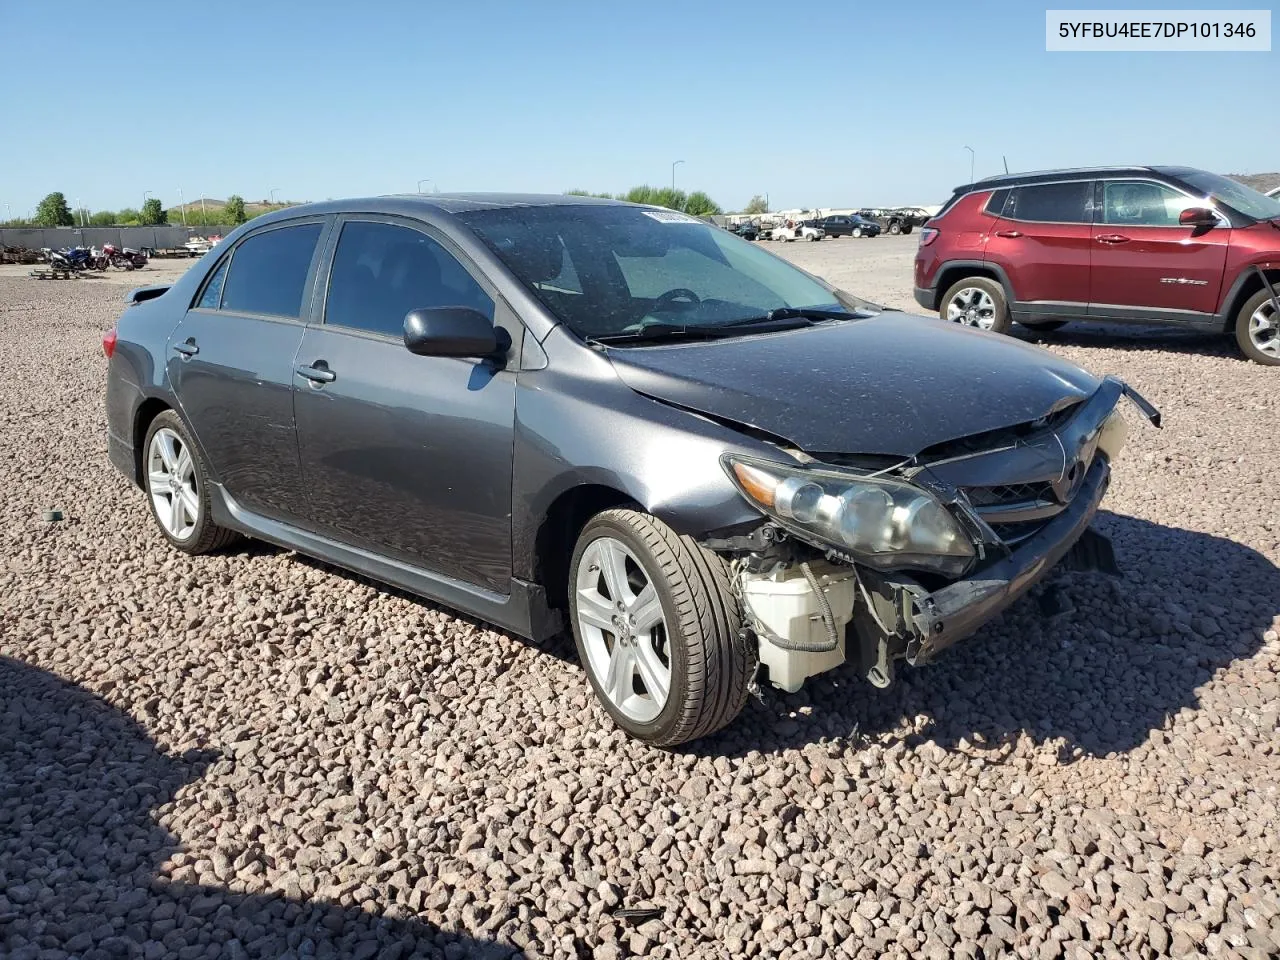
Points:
[[1235, 195], [1141, 203], [610, 270]]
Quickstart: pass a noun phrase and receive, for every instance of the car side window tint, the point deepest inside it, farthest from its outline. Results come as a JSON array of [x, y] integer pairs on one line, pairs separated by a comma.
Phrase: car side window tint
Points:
[[381, 271], [268, 271], [1141, 203], [1052, 202], [995, 203], [212, 294]]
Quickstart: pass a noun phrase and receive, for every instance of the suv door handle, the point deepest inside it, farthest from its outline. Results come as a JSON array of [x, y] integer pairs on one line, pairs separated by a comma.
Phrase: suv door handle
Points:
[[1113, 238], [1010, 234], [187, 348], [317, 372]]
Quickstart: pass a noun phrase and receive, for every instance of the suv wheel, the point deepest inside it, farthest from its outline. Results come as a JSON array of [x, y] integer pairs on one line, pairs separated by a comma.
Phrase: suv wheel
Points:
[[657, 629], [895, 227], [976, 302], [1258, 329]]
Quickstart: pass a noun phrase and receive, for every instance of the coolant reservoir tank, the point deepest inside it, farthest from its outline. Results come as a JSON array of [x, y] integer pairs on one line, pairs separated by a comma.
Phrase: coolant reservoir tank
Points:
[[784, 604]]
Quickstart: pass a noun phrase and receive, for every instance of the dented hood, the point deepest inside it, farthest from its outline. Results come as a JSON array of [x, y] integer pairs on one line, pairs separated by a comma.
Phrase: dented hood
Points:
[[895, 384]]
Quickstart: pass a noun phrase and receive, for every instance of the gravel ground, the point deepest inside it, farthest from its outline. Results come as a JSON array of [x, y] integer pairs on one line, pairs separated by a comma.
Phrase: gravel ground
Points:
[[253, 754]]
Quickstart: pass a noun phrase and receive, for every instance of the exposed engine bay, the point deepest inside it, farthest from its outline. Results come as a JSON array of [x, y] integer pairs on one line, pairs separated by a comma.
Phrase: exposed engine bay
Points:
[[877, 566]]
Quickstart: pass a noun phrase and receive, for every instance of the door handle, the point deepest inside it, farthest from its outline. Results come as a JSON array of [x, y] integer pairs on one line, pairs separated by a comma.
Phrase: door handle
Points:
[[317, 373], [188, 348], [1010, 234], [1113, 238]]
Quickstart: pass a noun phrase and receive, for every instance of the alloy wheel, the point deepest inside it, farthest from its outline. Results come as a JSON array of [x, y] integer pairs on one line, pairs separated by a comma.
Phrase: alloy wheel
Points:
[[171, 482], [973, 307], [1264, 329], [623, 630]]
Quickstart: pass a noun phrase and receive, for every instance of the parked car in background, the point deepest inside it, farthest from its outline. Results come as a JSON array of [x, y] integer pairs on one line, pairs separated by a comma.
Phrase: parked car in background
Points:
[[796, 230], [852, 225], [1171, 245], [1274, 193], [895, 220], [551, 410], [747, 231]]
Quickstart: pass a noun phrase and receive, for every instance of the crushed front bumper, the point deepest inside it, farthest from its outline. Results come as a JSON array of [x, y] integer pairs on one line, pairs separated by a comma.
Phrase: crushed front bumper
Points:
[[902, 620]]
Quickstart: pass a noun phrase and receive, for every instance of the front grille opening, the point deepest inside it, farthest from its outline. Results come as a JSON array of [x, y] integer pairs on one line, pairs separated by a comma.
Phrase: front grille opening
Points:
[[1002, 437], [1012, 534], [1011, 493]]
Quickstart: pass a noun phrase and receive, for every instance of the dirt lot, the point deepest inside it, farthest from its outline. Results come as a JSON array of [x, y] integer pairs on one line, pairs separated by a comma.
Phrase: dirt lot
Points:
[[252, 754]]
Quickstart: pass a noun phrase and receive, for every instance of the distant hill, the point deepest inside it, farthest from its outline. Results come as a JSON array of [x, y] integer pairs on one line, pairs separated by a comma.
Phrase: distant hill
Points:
[[1262, 182], [250, 208]]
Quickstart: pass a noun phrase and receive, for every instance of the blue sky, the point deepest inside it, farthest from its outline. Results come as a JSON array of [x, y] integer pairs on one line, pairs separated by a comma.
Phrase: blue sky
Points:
[[816, 103]]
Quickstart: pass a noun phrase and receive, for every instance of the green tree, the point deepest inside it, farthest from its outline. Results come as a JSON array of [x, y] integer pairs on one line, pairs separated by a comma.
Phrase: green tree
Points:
[[588, 193], [699, 204], [54, 212], [757, 204], [128, 217], [234, 209], [152, 213], [103, 218]]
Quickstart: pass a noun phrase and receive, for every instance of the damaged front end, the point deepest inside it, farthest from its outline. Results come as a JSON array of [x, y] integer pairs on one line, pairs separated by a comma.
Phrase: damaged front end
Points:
[[897, 563]]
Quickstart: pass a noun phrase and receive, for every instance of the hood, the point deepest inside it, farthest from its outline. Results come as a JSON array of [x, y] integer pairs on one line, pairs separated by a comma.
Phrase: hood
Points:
[[895, 384]]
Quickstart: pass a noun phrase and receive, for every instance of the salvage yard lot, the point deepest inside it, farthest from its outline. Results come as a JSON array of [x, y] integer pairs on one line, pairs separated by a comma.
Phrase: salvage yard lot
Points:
[[252, 754]]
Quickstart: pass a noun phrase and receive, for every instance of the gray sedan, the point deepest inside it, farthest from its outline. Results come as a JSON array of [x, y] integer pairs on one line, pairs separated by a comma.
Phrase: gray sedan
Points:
[[712, 466]]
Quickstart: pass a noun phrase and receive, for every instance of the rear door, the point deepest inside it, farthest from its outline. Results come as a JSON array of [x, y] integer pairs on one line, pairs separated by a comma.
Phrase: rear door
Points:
[[231, 363], [405, 455], [1145, 264], [1042, 242]]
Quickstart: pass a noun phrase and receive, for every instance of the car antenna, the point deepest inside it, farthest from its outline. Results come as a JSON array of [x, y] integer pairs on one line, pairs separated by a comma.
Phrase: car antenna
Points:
[[1006, 162]]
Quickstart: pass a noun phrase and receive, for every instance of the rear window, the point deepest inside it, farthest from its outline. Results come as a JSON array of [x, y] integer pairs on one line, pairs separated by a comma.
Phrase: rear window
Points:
[[1052, 202], [269, 271], [995, 203]]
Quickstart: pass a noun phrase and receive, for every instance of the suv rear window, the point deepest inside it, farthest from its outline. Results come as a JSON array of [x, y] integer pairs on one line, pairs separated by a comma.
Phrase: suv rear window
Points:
[[1052, 202]]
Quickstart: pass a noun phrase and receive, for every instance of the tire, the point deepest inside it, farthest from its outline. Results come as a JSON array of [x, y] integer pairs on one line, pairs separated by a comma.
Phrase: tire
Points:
[[907, 229], [1043, 326], [857, 232], [991, 313], [708, 663], [895, 228], [1258, 330], [202, 535]]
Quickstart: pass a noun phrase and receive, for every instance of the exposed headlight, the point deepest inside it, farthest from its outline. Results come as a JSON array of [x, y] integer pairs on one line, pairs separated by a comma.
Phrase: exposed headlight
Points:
[[883, 523]]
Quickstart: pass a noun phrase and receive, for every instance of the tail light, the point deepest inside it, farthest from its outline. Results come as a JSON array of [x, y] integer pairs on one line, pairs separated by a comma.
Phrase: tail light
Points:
[[109, 343], [928, 235]]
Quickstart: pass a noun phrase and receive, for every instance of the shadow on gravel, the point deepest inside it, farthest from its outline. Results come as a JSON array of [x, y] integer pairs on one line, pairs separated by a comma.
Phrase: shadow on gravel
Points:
[[1136, 337], [1121, 657], [80, 850]]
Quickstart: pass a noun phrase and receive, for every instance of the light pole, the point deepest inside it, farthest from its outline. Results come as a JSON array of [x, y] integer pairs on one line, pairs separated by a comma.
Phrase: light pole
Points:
[[79, 213], [673, 175], [271, 197], [182, 205], [145, 194], [971, 156], [426, 180], [202, 213], [8, 214]]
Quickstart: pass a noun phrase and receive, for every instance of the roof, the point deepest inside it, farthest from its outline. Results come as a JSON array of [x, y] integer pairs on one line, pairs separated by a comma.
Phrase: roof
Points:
[[1070, 173]]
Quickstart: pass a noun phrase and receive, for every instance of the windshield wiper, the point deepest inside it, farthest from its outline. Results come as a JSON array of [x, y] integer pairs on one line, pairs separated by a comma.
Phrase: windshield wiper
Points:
[[811, 314]]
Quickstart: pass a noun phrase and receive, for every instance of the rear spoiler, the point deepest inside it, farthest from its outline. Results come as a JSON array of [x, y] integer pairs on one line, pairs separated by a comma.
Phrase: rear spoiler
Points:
[[141, 294]]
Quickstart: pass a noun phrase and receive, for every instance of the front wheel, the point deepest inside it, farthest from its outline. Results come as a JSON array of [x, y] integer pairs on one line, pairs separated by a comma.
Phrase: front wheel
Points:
[[1258, 329], [895, 228], [657, 629], [976, 302]]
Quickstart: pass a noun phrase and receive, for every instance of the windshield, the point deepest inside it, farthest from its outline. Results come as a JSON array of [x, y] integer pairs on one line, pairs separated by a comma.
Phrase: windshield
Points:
[[612, 270], [1235, 195]]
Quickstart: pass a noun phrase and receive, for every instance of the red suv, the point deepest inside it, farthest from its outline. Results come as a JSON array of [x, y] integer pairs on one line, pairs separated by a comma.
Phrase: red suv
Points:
[[1171, 245]]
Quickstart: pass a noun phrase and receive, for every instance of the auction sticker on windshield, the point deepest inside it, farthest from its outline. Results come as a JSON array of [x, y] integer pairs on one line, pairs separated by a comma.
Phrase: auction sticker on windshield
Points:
[[670, 216]]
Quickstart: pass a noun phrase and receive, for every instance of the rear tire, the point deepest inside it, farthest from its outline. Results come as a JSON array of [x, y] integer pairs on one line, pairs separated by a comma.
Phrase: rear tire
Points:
[[976, 302], [857, 232], [1258, 329], [696, 648], [174, 478]]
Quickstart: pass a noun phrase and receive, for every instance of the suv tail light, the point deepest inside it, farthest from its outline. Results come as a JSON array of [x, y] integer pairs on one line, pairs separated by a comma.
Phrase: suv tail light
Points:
[[928, 235], [109, 343]]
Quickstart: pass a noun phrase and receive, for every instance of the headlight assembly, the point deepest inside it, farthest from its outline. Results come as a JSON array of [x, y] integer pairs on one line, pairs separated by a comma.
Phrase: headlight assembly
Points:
[[887, 524]]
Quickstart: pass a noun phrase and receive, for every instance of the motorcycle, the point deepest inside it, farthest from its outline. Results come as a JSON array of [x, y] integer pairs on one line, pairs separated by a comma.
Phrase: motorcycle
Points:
[[126, 258], [71, 259]]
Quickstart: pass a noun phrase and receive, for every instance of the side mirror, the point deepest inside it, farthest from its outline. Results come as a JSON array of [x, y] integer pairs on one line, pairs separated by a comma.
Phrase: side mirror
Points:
[[452, 332], [1198, 217]]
